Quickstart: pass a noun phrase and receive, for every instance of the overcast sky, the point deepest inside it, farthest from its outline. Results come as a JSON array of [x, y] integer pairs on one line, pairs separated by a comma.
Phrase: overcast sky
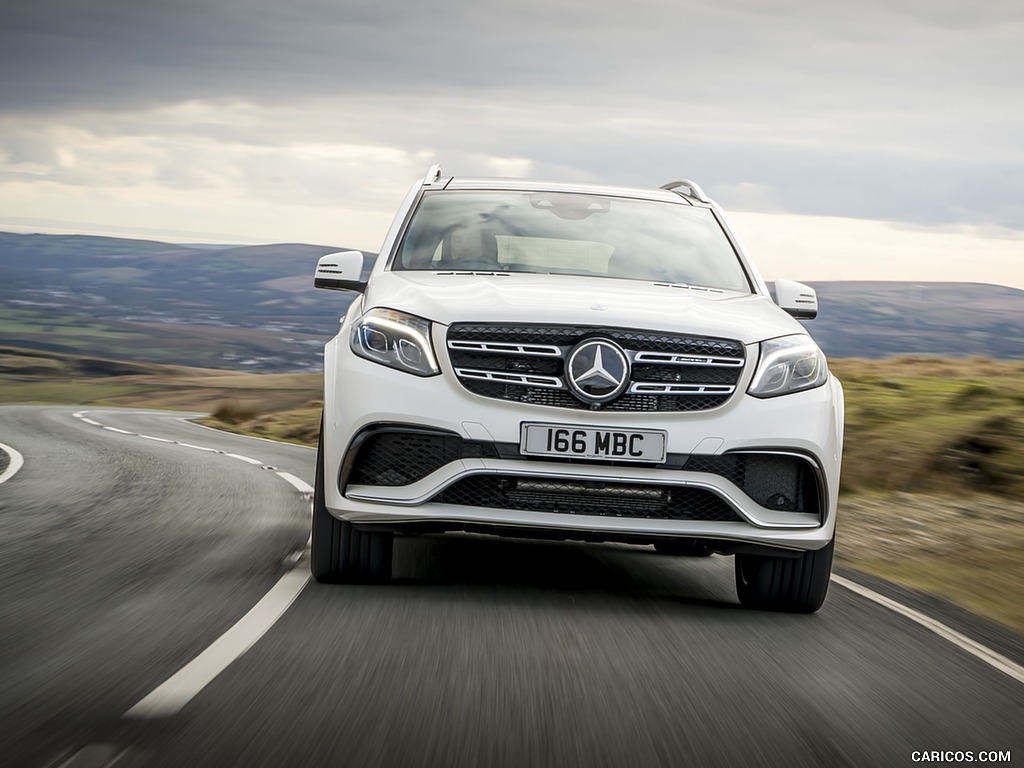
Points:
[[877, 140]]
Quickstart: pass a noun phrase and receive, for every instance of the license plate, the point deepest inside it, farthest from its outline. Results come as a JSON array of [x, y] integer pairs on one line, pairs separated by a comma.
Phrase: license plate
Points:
[[589, 443]]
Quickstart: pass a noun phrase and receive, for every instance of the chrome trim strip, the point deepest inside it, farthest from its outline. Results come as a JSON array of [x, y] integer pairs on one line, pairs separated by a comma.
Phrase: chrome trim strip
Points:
[[657, 388], [673, 358], [426, 489], [502, 377], [537, 350]]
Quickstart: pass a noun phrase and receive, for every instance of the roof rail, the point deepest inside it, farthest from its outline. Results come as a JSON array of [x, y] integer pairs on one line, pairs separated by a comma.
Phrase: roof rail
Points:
[[432, 175], [695, 191]]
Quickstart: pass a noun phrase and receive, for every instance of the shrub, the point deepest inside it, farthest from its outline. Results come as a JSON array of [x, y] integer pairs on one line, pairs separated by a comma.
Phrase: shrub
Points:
[[231, 412]]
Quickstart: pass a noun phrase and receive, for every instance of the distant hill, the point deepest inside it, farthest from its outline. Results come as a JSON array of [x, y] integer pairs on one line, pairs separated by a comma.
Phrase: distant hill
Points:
[[880, 319], [254, 307], [241, 307]]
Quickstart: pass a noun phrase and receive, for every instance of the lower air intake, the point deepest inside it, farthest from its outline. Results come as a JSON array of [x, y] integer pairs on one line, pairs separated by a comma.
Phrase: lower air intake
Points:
[[656, 502]]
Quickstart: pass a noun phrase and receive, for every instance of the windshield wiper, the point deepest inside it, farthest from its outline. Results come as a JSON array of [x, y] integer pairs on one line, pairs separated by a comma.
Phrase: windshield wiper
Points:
[[481, 272]]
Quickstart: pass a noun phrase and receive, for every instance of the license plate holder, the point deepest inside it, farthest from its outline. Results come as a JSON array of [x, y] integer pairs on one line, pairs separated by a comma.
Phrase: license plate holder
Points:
[[593, 443]]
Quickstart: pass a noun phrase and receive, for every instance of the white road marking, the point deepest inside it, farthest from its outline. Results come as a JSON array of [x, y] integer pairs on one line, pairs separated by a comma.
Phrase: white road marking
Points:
[[987, 655], [185, 420], [15, 462], [81, 415], [181, 687], [94, 756], [198, 447], [300, 485], [174, 694], [244, 458]]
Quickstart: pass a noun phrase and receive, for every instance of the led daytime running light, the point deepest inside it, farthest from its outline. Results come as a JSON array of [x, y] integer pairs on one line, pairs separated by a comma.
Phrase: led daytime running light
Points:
[[396, 340]]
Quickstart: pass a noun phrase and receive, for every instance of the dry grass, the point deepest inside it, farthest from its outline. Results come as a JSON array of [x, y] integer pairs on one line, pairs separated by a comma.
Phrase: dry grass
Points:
[[29, 376], [964, 548], [297, 425], [932, 425], [233, 413]]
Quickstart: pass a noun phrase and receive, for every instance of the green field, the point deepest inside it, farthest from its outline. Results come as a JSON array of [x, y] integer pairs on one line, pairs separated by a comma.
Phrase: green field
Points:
[[933, 425], [151, 342], [45, 323], [933, 470]]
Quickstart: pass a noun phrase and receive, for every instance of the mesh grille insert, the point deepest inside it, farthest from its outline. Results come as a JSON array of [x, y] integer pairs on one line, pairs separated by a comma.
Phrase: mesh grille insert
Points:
[[774, 481], [394, 458]]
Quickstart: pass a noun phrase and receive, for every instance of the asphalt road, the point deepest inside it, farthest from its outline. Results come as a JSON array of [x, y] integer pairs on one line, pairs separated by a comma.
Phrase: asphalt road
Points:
[[122, 558]]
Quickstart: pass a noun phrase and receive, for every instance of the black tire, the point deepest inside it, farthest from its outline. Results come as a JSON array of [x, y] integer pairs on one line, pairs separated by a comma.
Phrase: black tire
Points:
[[339, 553], [681, 548], [791, 584]]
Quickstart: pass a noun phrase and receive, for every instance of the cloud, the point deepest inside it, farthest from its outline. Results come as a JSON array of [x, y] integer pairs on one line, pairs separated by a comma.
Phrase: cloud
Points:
[[905, 110], [787, 54], [747, 196], [830, 248]]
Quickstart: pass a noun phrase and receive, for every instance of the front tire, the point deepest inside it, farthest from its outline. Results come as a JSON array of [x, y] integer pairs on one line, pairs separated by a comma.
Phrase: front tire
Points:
[[339, 553], [790, 584]]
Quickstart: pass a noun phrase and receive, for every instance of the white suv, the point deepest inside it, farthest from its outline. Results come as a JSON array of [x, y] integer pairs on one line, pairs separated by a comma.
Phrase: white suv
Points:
[[536, 359]]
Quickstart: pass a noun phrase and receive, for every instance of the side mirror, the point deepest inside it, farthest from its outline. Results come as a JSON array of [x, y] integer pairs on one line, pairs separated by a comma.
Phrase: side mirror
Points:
[[340, 272], [797, 299]]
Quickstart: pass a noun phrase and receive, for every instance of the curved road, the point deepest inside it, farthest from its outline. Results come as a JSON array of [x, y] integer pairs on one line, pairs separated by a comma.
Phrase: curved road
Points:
[[123, 558]]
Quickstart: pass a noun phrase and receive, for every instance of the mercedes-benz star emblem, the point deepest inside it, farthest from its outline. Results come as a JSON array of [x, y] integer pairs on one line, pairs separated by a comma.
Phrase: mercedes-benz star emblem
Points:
[[598, 370]]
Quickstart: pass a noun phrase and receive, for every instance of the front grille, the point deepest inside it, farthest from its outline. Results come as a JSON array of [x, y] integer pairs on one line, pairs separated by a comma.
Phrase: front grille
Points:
[[394, 457], [526, 364], [633, 500]]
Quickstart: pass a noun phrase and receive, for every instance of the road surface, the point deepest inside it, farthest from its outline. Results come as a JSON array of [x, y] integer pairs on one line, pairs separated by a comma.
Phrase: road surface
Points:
[[125, 558]]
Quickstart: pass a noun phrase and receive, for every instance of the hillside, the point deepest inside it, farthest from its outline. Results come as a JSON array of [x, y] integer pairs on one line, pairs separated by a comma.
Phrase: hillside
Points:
[[881, 319], [246, 308], [254, 308]]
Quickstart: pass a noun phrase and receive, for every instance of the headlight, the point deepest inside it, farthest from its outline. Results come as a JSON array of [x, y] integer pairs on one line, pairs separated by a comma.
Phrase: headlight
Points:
[[789, 364], [396, 340]]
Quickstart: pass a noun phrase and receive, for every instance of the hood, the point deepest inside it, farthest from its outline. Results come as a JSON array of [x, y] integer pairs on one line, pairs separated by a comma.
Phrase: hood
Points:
[[516, 297]]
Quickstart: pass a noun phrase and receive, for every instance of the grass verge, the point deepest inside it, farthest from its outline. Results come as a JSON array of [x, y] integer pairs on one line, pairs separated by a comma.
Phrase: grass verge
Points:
[[964, 548], [31, 376]]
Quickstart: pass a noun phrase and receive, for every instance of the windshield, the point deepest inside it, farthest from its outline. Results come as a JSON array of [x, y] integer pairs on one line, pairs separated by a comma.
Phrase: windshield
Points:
[[574, 234]]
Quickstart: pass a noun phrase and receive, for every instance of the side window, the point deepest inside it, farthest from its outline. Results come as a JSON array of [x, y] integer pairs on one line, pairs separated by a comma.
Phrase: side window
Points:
[[420, 250]]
